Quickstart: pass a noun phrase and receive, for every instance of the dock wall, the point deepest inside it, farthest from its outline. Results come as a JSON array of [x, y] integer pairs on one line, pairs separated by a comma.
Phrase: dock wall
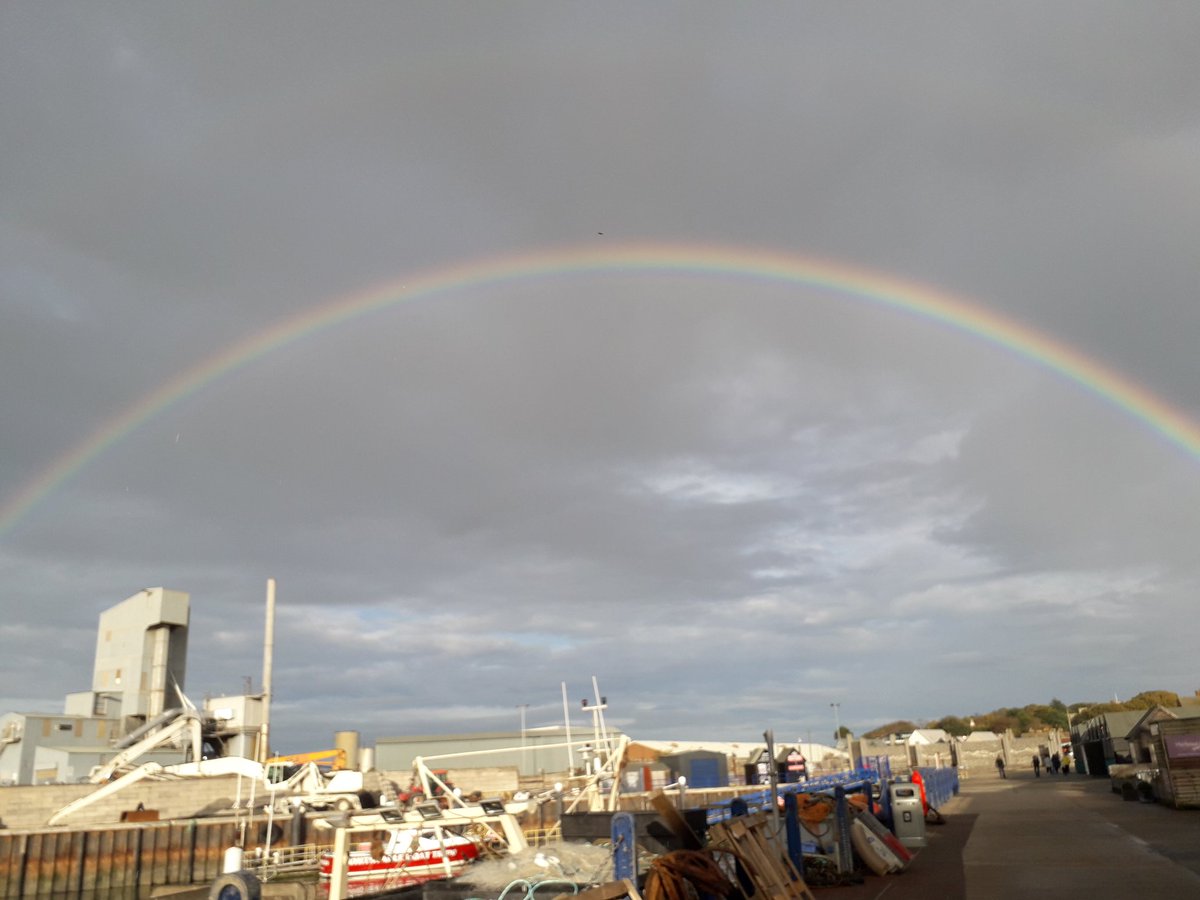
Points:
[[121, 860], [32, 806]]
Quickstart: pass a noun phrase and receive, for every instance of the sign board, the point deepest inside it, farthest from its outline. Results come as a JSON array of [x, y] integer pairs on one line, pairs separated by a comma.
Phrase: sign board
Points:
[[1182, 746]]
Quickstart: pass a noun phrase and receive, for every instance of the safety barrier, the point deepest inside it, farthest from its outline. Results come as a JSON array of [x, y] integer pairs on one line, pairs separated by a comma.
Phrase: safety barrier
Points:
[[879, 764], [940, 785], [850, 781], [283, 861]]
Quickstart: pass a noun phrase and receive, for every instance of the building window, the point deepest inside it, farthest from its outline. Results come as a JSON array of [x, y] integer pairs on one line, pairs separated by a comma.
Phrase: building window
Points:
[[66, 726]]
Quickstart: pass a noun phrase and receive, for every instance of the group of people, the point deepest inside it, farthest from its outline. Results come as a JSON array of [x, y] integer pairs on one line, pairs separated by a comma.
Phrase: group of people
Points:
[[1050, 762]]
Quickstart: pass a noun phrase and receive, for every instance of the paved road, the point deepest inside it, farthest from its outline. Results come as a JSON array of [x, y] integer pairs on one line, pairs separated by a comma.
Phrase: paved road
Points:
[[1064, 837]]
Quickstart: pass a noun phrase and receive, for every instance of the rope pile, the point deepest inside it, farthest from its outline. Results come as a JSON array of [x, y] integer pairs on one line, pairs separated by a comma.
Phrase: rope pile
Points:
[[671, 875]]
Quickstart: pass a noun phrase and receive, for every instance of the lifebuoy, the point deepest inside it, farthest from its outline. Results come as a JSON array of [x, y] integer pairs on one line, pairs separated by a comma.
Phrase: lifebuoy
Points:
[[236, 886]]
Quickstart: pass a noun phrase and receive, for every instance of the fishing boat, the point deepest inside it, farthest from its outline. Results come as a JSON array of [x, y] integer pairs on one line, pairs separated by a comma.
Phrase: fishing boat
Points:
[[410, 852]]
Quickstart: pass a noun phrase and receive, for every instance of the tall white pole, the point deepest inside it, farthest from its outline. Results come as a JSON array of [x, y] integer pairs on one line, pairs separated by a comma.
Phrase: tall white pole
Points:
[[522, 707], [268, 663], [600, 705], [567, 722]]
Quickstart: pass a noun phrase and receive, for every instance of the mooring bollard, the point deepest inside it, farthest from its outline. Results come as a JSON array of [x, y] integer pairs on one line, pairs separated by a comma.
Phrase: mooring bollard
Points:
[[232, 861]]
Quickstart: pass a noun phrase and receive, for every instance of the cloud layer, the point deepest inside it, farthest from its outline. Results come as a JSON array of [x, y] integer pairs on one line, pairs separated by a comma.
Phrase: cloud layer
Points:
[[733, 501]]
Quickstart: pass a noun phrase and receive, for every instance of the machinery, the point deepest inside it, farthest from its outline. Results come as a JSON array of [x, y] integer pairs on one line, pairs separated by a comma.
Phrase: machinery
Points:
[[280, 768]]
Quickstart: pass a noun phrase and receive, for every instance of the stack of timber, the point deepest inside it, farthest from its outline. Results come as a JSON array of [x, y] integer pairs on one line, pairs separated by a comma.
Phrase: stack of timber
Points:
[[772, 873]]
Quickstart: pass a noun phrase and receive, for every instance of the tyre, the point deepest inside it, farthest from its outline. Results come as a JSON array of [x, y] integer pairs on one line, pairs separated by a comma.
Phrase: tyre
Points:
[[270, 834], [343, 804], [235, 886]]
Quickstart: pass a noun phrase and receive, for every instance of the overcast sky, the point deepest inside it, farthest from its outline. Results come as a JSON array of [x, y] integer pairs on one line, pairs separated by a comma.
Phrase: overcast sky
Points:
[[735, 500]]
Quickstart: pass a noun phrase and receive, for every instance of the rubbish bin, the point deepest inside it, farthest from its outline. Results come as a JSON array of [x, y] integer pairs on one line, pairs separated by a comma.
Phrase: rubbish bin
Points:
[[908, 816]]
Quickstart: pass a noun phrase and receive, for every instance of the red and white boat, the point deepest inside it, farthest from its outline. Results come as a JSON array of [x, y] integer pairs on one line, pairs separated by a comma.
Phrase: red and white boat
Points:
[[421, 853]]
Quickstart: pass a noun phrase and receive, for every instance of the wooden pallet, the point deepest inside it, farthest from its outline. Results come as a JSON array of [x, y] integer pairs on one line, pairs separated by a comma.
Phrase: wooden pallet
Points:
[[772, 873]]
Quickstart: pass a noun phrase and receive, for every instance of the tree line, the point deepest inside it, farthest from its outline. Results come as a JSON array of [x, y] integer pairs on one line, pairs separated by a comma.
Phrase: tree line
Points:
[[1032, 718]]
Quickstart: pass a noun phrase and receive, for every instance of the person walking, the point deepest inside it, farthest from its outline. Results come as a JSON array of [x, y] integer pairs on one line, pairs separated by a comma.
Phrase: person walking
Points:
[[1037, 766], [1055, 763], [1066, 763], [1046, 762], [1000, 766]]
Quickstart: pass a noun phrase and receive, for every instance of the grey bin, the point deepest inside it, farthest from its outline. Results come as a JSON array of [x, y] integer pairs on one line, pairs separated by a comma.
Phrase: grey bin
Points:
[[908, 815]]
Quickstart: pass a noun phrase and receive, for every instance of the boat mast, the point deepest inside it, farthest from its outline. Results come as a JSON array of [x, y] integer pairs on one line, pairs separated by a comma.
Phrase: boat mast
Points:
[[567, 721], [268, 662]]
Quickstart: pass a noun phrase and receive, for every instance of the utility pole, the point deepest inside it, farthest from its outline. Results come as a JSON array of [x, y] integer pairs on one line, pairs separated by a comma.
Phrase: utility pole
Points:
[[837, 724]]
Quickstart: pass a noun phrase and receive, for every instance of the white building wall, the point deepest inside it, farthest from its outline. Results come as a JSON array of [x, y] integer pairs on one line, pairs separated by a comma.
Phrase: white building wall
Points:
[[141, 651]]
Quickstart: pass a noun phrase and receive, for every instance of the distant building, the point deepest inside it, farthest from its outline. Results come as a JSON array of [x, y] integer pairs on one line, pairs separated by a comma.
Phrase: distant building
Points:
[[927, 736], [982, 736]]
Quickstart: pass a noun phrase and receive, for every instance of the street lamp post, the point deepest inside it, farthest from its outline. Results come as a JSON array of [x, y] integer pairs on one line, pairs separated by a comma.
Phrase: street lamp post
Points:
[[837, 724]]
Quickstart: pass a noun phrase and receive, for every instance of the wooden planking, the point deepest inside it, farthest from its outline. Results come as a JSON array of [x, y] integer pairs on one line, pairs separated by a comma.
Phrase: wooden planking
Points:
[[774, 876], [678, 824]]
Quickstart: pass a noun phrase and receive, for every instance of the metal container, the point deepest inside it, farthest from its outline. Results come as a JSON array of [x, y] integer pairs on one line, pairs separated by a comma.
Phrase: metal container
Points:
[[908, 814]]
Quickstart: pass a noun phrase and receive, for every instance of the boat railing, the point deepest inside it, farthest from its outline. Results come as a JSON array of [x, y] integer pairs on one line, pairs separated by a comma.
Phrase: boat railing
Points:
[[283, 861]]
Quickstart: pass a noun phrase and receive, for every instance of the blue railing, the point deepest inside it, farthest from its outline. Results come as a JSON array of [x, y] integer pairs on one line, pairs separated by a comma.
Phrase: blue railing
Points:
[[849, 781], [940, 785]]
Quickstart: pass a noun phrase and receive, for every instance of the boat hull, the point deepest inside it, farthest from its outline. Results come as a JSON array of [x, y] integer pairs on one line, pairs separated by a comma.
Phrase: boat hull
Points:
[[418, 864]]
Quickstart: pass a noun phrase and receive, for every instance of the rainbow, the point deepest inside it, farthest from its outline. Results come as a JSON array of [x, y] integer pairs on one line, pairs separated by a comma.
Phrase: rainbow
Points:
[[672, 259]]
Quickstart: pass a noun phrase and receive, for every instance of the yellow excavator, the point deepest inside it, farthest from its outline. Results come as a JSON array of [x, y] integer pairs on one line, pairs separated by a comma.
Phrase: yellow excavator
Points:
[[334, 760], [321, 779]]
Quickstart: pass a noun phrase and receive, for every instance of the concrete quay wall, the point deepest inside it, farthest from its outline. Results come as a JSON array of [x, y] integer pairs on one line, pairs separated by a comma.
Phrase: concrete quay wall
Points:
[[25, 807], [977, 757]]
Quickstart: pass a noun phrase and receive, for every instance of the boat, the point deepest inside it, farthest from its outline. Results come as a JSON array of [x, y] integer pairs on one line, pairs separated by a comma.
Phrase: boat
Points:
[[410, 852]]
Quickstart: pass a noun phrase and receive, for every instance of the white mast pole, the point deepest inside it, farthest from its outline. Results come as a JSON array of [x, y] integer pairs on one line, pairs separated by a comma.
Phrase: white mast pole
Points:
[[567, 722], [268, 663]]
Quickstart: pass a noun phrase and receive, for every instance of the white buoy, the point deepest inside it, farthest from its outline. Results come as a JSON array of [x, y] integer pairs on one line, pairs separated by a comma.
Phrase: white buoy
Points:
[[233, 861]]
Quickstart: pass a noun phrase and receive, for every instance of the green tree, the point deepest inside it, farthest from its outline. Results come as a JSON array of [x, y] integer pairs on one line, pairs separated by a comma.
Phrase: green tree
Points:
[[1043, 717], [1147, 699], [952, 725]]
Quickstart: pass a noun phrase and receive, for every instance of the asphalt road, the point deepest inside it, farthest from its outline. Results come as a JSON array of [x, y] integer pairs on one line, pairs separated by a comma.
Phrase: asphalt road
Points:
[[1060, 836]]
